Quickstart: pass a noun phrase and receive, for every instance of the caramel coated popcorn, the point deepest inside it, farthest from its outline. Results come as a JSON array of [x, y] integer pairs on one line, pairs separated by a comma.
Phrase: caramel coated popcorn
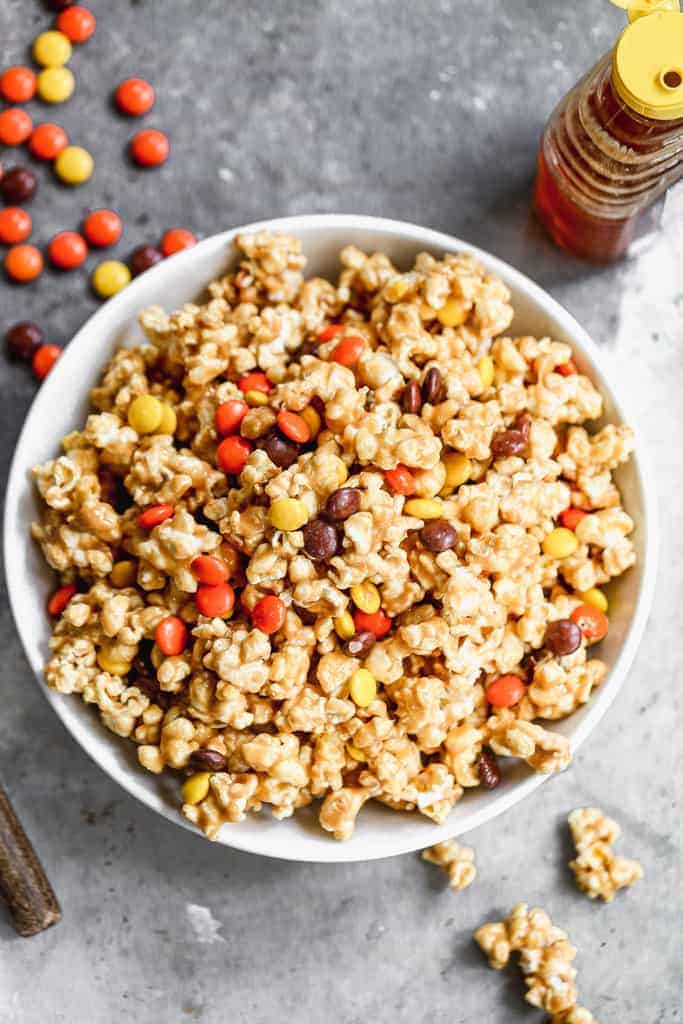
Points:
[[315, 570], [456, 860], [598, 871]]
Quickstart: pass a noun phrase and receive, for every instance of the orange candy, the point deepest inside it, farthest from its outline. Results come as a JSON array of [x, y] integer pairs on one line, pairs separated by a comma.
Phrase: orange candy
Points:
[[24, 263], [15, 126], [176, 240], [400, 480], [67, 250], [47, 141], [15, 225], [154, 515], [567, 369], [171, 635], [505, 691], [102, 228], [60, 599], [593, 623], [149, 148], [18, 85], [348, 351], [268, 614], [209, 569], [293, 426], [377, 622], [44, 359], [256, 381], [232, 454], [134, 97], [330, 332], [77, 23], [215, 602], [229, 415], [570, 517]]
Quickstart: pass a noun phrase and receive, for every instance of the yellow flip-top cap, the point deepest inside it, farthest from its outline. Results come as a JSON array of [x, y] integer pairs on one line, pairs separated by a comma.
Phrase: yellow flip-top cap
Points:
[[647, 65]]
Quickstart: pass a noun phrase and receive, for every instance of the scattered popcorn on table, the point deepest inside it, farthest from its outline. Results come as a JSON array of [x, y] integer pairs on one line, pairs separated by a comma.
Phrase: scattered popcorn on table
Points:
[[456, 860], [599, 872]]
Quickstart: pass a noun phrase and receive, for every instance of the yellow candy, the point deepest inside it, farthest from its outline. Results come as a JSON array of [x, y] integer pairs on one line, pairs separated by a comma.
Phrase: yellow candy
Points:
[[123, 573], [458, 469], [144, 414], [560, 543], [112, 665], [255, 398], [366, 597], [340, 469], [312, 420], [288, 514], [424, 508], [355, 753], [56, 85], [169, 420], [74, 165], [596, 598], [344, 626], [453, 313], [363, 687], [51, 49], [195, 788], [486, 368], [110, 277]]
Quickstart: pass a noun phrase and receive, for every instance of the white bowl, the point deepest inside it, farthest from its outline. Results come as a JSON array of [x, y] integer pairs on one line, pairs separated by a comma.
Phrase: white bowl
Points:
[[61, 406]]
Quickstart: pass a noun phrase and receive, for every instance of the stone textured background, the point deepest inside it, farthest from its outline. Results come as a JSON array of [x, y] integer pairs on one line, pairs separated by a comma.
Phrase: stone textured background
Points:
[[427, 111]]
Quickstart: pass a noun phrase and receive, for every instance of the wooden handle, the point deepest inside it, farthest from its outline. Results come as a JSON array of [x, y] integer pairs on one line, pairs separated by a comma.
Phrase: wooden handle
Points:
[[32, 903]]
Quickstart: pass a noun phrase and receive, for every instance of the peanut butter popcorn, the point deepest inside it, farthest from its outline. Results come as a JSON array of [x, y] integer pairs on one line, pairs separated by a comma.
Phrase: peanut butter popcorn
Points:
[[339, 541], [456, 860], [598, 871]]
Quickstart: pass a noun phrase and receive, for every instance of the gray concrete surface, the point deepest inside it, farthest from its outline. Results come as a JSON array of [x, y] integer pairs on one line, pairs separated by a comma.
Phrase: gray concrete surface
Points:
[[427, 111]]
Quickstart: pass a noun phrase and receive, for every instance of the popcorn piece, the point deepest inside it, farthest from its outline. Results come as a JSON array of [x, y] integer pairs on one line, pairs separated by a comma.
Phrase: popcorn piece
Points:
[[456, 860]]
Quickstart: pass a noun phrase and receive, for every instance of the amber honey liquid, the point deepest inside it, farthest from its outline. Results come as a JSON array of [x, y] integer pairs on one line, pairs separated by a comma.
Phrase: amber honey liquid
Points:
[[601, 167]]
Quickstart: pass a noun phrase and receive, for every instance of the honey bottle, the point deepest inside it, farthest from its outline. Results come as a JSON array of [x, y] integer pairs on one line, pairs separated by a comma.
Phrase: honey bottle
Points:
[[614, 145]]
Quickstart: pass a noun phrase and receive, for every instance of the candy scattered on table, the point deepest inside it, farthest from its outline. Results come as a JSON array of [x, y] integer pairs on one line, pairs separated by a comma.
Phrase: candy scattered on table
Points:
[[150, 148], [23, 339], [44, 359], [51, 49], [47, 141], [24, 263], [74, 165], [15, 126], [56, 85], [77, 23], [110, 277], [144, 257], [177, 239], [67, 250], [15, 225], [18, 185], [134, 97], [18, 84], [102, 228]]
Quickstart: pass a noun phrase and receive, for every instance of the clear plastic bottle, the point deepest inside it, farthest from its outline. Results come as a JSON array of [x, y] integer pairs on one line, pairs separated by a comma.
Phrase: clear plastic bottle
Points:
[[614, 144]]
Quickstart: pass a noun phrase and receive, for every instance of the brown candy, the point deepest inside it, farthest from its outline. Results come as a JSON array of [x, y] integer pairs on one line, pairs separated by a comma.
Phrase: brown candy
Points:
[[433, 387], [208, 760], [509, 442], [489, 771], [23, 339], [439, 535], [360, 644], [562, 637], [320, 540], [280, 450], [18, 185], [342, 503], [411, 397], [144, 257]]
